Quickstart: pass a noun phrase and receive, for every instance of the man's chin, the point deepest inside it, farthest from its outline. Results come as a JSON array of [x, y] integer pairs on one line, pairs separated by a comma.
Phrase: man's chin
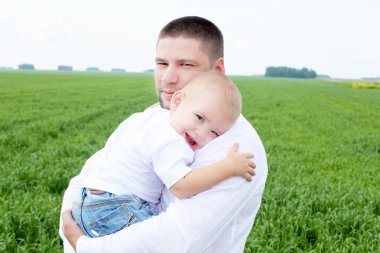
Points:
[[164, 103]]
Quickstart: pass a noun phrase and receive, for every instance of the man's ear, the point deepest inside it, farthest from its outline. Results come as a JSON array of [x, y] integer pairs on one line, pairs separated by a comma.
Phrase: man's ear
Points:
[[176, 99], [219, 66]]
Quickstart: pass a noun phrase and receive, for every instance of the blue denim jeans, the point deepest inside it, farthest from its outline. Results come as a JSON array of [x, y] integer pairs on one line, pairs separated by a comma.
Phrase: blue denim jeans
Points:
[[107, 213]]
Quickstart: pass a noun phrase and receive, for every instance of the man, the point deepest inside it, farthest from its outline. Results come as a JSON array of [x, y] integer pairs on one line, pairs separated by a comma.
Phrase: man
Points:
[[217, 220]]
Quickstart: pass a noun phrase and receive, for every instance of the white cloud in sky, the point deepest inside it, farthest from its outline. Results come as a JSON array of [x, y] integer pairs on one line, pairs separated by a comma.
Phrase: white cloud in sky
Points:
[[338, 38]]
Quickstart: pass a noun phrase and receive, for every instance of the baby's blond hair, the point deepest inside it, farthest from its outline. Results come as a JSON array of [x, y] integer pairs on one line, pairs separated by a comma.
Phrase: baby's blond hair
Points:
[[213, 83]]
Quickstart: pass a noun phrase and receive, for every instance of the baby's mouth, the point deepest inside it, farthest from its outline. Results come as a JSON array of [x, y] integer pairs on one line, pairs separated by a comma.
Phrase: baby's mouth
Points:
[[192, 143]]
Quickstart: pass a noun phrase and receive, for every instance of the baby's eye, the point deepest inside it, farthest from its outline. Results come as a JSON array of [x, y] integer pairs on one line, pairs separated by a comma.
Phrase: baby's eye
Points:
[[199, 117], [216, 134]]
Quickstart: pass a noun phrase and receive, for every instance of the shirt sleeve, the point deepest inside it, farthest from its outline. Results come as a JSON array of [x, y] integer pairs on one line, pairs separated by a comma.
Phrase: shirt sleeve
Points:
[[171, 155], [172, 159], [182, 227]]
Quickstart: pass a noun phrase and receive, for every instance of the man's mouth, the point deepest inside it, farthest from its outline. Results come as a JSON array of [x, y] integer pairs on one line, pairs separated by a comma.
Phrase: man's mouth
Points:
[[167, 94], [190, 141]]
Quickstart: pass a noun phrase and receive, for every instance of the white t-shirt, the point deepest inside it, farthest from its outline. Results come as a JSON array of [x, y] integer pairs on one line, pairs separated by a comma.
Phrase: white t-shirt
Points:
[[143, 155], [216, 220]]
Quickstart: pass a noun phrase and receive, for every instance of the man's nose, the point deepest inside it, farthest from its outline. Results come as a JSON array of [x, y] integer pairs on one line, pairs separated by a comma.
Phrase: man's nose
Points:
[[170, 76]]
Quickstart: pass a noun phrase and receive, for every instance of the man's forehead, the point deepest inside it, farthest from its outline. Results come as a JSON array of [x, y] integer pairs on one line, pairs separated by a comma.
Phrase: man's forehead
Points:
[[182, 49], [181, 41]]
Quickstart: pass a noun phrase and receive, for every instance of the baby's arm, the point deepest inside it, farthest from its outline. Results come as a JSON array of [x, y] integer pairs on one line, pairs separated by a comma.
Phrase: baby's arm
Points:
[[201, 179]]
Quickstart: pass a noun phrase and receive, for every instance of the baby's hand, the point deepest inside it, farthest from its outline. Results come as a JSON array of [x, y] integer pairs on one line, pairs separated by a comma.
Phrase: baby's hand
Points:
[[241, 164]]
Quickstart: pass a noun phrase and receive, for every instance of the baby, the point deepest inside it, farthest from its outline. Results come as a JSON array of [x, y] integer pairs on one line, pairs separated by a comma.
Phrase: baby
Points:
[[153, 149]]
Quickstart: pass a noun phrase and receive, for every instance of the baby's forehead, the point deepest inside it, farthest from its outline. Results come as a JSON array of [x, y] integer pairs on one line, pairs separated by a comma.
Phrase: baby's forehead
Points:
[[220, 111]]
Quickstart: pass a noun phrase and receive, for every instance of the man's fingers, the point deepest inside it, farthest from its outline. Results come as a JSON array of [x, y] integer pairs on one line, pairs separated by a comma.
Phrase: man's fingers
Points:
[[66, 215], [71, 229], [68, 220]]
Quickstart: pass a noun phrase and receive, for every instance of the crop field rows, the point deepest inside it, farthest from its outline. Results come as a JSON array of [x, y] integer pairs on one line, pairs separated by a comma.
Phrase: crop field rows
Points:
[[322, 140]]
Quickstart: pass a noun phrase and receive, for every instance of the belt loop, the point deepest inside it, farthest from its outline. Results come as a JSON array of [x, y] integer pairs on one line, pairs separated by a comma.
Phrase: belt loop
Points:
[[84, 193]]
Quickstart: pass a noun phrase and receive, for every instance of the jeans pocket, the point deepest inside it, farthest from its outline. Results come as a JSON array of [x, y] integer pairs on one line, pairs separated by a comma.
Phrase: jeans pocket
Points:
[[113, 221], [142, 211]]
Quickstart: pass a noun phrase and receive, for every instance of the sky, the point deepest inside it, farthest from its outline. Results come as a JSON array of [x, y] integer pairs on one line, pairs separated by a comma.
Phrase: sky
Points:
[[339, 38]]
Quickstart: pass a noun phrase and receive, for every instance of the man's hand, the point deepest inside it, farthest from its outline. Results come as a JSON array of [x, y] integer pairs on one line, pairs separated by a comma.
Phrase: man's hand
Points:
[[70, 228]]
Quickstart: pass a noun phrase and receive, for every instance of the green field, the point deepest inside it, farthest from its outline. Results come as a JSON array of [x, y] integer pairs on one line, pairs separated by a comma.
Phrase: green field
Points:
[[322, 139]]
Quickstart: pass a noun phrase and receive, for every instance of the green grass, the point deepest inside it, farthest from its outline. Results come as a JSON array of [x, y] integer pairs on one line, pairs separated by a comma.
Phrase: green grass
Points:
[[323, 145], [322, 140]]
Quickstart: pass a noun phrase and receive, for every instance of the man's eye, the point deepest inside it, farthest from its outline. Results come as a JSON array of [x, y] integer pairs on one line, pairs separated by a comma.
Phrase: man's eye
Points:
[[187, 65], [200, 118], [216, 134], [161, 63]]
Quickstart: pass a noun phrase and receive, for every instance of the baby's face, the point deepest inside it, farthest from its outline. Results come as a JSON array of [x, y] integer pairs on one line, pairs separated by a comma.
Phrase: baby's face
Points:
[[200, 120]]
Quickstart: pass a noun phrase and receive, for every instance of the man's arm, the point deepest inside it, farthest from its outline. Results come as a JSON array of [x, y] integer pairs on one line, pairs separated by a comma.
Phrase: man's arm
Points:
[[211, 175], [194, 224], [70, 229]]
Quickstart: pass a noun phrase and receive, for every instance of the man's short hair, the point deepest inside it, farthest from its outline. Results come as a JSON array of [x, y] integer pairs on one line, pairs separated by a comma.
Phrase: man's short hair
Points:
[[198, 28]]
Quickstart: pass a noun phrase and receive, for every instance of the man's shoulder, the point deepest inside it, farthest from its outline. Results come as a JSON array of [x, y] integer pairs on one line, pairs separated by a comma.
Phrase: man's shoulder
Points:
[[153, 114], [159, 131], [242, 124], [241, 130], [145, 125]]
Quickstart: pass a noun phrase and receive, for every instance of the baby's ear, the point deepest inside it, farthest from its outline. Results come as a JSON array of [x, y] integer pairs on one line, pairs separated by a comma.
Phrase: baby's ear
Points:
[[176, 99]]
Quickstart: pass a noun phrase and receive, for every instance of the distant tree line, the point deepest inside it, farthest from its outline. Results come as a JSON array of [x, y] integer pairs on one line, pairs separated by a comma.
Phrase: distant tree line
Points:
[[93, 69], [323, 76], [371, 78], [6, 68], [26, 66], [65, 68], [290, 72], [117, 70]]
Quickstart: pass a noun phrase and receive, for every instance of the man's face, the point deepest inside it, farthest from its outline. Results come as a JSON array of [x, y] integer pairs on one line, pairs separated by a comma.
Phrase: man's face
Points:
[[178, 60]]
